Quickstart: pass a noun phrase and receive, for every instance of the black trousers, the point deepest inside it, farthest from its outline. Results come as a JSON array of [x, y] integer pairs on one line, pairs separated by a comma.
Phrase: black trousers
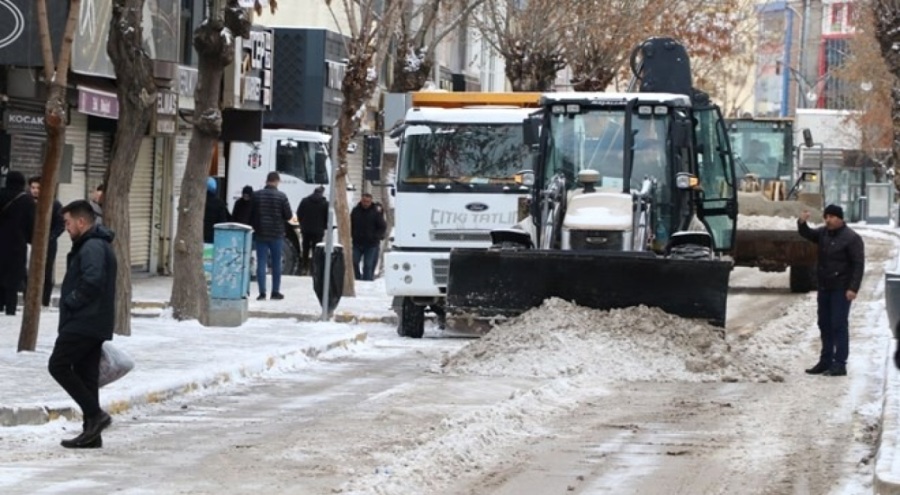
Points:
[[75, 365], [307, 245], [9, 298]]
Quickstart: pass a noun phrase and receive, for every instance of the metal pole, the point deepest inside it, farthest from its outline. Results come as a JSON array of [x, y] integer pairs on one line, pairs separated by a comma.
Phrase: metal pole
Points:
[[329, 233]]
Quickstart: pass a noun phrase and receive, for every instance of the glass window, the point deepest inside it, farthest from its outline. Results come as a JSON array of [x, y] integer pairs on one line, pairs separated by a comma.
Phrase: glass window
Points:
[[479, 156], [716, 174], [296, 159]]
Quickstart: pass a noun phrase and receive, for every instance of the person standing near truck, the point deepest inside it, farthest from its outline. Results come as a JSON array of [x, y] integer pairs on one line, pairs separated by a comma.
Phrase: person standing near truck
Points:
[[840, 271], [313, 217], [271, 210]]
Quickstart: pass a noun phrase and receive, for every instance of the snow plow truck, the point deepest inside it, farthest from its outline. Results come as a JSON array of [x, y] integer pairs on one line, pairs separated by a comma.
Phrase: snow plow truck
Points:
[[633, 202]]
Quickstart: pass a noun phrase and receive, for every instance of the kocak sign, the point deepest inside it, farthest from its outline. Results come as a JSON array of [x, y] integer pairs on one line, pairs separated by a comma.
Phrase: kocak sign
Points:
[[18, 121]]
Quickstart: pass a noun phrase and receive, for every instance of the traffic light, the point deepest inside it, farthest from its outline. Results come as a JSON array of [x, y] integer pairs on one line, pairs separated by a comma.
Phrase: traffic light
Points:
[[372, 149]]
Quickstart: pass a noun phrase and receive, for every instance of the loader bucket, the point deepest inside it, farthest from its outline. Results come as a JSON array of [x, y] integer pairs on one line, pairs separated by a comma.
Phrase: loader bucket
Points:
[[487, 283]]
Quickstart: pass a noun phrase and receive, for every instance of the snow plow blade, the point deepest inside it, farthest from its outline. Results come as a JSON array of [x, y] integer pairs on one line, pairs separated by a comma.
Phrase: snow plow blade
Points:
[[493, 283]]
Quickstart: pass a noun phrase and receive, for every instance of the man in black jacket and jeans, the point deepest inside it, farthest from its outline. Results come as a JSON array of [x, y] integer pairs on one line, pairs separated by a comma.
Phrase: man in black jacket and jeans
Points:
[[270, 211], [840, 272], [87, 311]]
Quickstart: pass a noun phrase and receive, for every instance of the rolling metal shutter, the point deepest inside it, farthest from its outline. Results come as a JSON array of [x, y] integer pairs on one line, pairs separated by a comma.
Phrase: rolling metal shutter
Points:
[[76, 135], [140, 206]]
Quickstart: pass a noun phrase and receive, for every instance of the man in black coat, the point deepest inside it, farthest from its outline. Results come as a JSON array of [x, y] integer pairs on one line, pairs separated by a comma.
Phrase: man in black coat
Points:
[[313, 216], [216, 211], [57, 227], [243, 207], [87, 311], [16, 224], [367, 229], [840, 271], [270, 213]]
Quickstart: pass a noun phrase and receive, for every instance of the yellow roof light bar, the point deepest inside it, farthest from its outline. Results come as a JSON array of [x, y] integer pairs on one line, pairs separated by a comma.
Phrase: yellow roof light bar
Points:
[[466, 99]]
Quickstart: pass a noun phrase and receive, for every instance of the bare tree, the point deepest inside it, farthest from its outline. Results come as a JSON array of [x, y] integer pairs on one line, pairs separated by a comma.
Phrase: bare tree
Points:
[[886, 23], [56, 78], [371, 24], [136, 92], [421, 28], [214, 42], [531, 36], [869, 82]]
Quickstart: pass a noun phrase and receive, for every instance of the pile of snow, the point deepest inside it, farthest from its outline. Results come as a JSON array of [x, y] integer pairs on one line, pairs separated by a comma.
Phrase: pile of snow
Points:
[[631, 344], [757, 222], [756, 204]]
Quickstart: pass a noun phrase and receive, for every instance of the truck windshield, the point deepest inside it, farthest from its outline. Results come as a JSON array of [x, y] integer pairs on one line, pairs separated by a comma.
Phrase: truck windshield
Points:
[[296, 159], [479, 157], [760, 149], [594, 140]]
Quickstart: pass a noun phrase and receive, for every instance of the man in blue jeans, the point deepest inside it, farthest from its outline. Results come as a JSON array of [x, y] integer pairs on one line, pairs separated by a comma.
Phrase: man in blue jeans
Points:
[[367, 227], [840, 271], [270, 210]]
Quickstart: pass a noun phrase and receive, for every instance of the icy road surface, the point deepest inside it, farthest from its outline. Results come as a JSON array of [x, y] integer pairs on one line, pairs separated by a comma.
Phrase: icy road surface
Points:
[[562, 400]]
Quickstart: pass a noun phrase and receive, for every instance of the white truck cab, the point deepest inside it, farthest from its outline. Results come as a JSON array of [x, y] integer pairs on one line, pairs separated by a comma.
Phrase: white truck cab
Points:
[[300, 158], [462, 159]]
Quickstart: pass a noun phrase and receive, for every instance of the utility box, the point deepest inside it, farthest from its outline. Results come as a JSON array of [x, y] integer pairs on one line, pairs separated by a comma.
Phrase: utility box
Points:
[[230, 279]]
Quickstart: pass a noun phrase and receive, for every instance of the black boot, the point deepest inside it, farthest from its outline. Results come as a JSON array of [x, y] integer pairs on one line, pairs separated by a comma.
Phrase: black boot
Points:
[[818, 369], [836, 370], [93, 427], [78, 443]]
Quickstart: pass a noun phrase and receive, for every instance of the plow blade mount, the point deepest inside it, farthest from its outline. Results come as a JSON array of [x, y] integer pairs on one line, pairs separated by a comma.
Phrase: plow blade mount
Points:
[[507, 283]]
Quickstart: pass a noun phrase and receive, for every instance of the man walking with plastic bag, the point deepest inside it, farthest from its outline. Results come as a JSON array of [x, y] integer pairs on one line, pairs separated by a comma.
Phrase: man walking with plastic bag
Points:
[[86, 319]]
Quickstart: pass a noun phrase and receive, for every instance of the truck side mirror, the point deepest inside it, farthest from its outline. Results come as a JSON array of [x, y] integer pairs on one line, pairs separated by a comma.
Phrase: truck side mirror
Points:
[[531, 129], [807, 138], [321, 164]]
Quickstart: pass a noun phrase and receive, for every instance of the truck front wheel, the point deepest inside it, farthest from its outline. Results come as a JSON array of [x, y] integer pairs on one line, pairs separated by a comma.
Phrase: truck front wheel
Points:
[[412, 319], [803, 278]]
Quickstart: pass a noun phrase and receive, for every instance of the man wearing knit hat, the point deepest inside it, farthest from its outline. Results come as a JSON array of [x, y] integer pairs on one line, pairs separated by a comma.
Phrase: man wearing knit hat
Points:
[[840, 272]]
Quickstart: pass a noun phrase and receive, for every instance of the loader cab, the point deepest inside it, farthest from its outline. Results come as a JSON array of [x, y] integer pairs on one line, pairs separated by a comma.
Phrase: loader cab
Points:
[[629, 138]]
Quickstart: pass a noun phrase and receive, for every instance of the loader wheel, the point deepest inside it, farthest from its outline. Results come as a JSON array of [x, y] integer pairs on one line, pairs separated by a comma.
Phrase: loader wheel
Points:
[[412, 319], [803, 278]]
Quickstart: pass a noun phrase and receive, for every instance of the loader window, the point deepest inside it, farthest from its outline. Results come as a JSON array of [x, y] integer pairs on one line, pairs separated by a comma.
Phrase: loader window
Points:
[[471, 157], [716, 173], [296, 159]]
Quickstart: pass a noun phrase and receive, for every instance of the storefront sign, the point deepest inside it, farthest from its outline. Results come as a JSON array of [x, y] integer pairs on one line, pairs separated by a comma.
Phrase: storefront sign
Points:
[[166, 112], [98, 103], [15, 121], [187, 84], [249, 86], [19, 36]]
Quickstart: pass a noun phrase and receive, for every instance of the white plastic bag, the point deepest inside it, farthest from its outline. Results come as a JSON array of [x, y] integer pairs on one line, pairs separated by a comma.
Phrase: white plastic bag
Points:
[[114, 364]]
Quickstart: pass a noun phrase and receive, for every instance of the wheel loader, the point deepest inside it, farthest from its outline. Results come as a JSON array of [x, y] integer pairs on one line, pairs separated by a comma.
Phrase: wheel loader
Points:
[[633, 202], [764, 157]]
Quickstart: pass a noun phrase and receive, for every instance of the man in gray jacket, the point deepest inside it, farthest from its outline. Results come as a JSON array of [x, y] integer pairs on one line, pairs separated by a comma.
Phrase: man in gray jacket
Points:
[[270, 211], [87, 310], [840, 271]]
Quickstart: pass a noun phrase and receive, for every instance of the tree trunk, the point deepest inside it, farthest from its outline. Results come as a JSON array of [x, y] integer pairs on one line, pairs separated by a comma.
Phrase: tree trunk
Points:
[[136, 91], [410, 75], [190, 299], [56, 77]]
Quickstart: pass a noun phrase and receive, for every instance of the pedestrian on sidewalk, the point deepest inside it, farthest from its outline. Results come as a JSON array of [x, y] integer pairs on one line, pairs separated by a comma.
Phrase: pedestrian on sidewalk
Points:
[[243, 207], [57, 227], [96, 199], [271, 211], [16, 228], [216, 211], [86, 317], [368, 228], [840, 271], [313, 216]]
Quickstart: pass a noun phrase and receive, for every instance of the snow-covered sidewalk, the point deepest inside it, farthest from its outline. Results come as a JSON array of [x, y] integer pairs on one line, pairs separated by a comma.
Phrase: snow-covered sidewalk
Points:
[[173, 357]]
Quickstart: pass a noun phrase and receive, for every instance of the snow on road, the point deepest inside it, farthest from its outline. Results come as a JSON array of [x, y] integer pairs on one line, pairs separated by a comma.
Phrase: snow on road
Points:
[[560, 400]]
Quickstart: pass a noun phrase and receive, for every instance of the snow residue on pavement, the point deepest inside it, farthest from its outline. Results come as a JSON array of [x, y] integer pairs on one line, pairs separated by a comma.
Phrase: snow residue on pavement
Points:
[[631, 344]]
